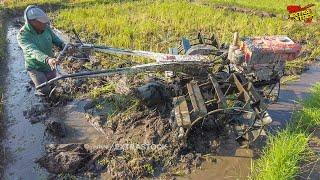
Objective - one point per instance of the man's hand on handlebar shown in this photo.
(71, 50)
(53, 62)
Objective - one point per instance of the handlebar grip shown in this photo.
(63, 52)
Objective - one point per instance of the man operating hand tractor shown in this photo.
(36, 39)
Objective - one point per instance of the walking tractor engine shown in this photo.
(262, 60)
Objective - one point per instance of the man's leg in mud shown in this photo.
(38, 78)
(51, 74)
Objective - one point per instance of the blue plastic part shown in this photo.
(173, 51)
(186, 44)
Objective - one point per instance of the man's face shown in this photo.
(37, 25)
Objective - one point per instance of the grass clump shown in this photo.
(106, 90)
(290, 78)
(121, 105)
(281, 159)
(288, 148)
(309, 116)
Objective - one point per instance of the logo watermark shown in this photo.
(299, 13)
(133, 146)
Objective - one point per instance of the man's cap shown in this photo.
(35, 13)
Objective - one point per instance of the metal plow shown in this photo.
(225, 99)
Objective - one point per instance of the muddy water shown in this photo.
(281, 111)
(230, 163)
(24, 142)
(79, 130)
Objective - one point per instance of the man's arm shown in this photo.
(30, 48)
(56, 40)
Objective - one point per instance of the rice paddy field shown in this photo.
(159, 24)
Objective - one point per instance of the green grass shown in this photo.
(281, 159)
(159, 25)
(121, 105)
(289, 147)
(108, 89)
(290, 78)
(309, 116)
(20, 5)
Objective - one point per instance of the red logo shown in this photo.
(301, 13)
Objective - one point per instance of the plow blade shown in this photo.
(181, 112)
(196, 98)
(245, 111)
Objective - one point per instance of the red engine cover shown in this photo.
(279, 47)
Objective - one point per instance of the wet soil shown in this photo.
(225, 167)
(230, 162)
